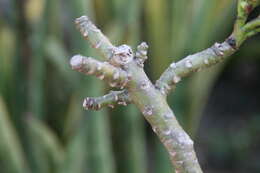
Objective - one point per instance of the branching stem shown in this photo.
(124, 69)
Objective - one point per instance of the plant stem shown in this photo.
(151, 99)
(157, 112)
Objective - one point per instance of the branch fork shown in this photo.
(122, 68)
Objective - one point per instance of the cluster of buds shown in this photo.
(141, 53)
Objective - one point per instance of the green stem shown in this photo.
(151, 99)
(103, 70)
(209, 57)
(157, 112)
(110, 100)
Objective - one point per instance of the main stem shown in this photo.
(160, 116)
(125, 70)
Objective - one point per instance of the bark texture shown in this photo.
(124, 69)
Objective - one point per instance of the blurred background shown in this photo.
(43, 128)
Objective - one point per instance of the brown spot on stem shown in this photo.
(232, 42)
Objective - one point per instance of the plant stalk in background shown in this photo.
(123, 69)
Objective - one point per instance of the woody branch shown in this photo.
(124, 69)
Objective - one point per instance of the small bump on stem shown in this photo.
(176, 79)
(188, 64)
(148, 110)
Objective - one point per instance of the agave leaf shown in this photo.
(11, 152)
(47, 141)
(36, 11)
(74, 117)
(7, 45)
(76, 153)
(58, 56)
(156, 18)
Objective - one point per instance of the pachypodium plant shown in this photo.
(122, 68)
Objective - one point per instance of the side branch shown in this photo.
(96, 38)
(110, 100)
(125, 69)
(117, 56)
(217, 52)
(193, 63)
(116, 77)
(252, 27)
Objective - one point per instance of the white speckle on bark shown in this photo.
(162, 90)
(168, 115)
(91, 102)
(180, 162)
(122, 103)
(99, 67)
(176, 79)
(144, 53)
(173, 65)
(167, 132)
(154, 129)
(217, 45)
(111, 106)
(143, 46)
(188, 154)
(81, 19)
(116, 97)
(85, 33)
(116, 75)
(85, 103)
(76, 61)
(206, 61)
(144, 85)
(141, 52)
(184, 139)
(148, 110)
(188, 64)
(219, 49)
(95, 29)
(98, 45)
(173, 153)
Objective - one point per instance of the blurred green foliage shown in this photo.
(43, 128)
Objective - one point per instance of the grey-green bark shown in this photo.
(149, 98)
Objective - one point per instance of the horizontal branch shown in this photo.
(252, 25)
(110, 100)
(253, 32)
(116, 77)
(216, 53)
(96, 38)
(192, 63)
